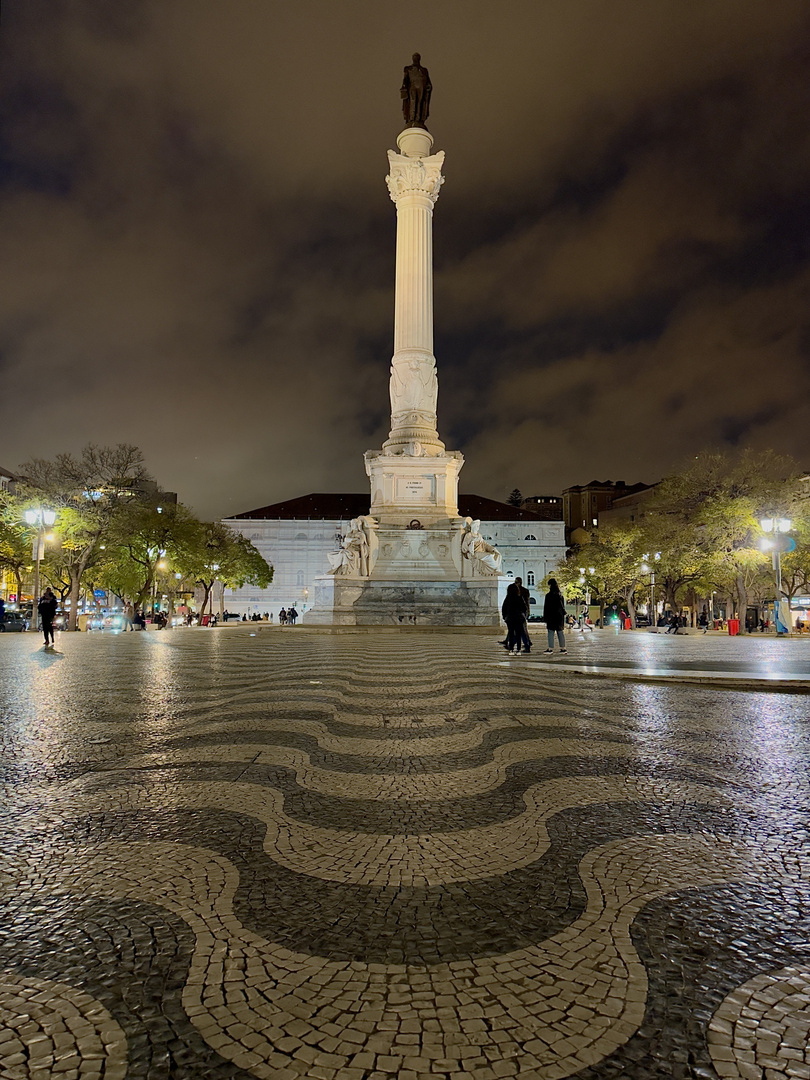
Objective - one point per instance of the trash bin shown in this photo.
(205, 620)
(733, 627)
(628, 624)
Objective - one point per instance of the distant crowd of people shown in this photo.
(286, 617)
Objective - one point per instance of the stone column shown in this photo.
(414, 180)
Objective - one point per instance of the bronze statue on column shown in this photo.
(415, 93)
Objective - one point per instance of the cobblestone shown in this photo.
(369, 856)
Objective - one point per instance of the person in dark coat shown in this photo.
(527, 596)
(514, 611)
(554, 615)
(47, 613)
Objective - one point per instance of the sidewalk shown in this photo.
(750, 661)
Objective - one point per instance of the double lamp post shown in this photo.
(780, 542)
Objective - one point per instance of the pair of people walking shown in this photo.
(515, 612)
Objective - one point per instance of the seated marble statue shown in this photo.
(352, 559)
(484, 558)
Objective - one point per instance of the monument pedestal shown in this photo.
(399, 602)
(414, 487)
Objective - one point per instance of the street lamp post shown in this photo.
(160, 565)
(214, 568)
(777, 526)
(40, 518)
(647, 569)
(585, 585)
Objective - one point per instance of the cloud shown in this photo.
(730, 367)
(199, 244)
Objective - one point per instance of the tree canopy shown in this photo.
(114, 531)
(700, 531)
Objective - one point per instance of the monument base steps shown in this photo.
(401, 603)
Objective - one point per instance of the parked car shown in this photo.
(14, 623)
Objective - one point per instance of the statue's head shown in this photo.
(416, 58)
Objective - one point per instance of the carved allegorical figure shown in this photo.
(355, 556)
(483, 558)
(415, 93)
(414, 386)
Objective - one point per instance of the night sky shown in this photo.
(198, 244)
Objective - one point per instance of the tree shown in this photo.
(86, 492)
(211, 552)
(720, 499)
(676, 553)
(15, 541)
(143, 541)
(515, 498)
(616, 554)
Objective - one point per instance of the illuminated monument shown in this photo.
(412, 559)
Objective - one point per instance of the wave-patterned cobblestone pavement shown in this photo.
(296, 855)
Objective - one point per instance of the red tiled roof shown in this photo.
(338, 506)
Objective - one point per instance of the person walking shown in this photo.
(47, 613)
(527, 596)
(554, 615)
(292, 615)
(129, 615)
(514, 611)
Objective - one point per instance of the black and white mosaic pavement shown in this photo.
(287, 854)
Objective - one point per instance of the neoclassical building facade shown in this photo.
(296, 536)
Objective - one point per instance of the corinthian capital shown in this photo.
(414, 176)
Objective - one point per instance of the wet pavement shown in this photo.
(746, 660)
(281, 853)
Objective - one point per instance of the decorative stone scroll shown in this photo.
(414, 176)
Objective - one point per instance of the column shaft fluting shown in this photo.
(413, 310)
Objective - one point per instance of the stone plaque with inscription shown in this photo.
(411, 489)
